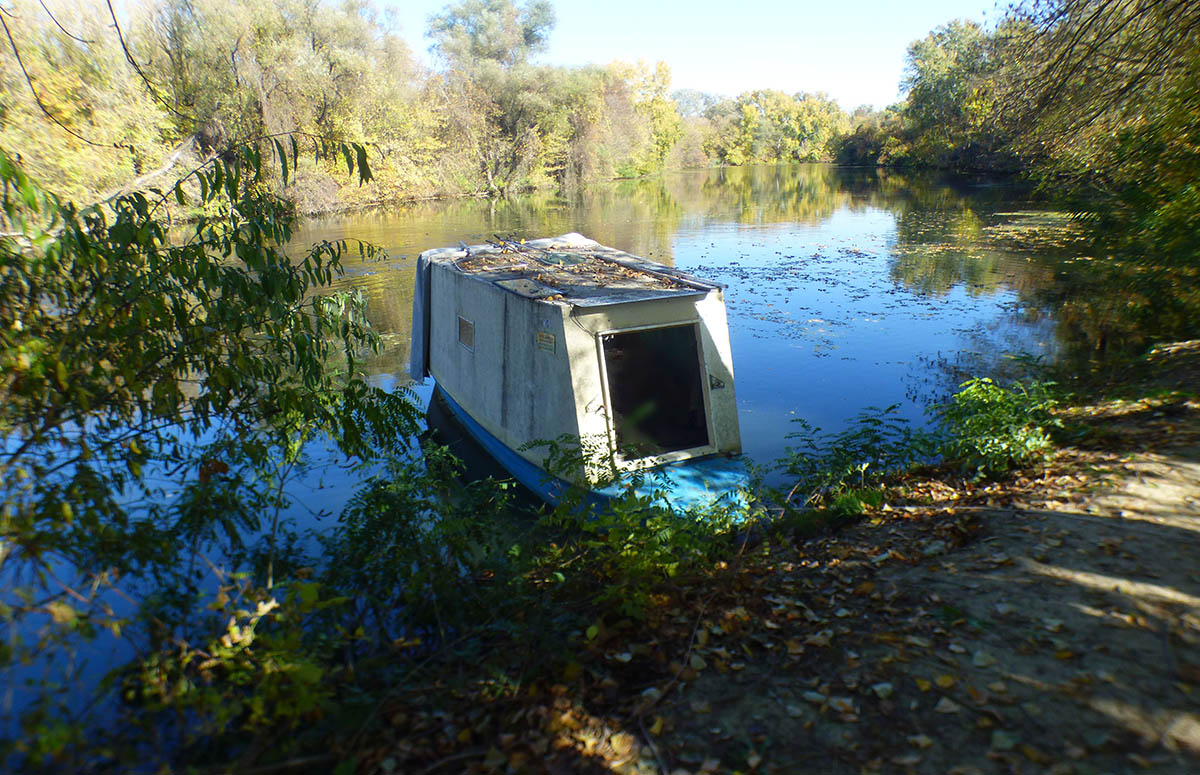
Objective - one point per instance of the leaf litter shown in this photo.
(1055, 630)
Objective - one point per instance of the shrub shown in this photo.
(989, 429)
(835, 470)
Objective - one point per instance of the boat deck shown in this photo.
(571, 269)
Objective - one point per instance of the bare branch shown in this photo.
(59, 25)
(38, 98)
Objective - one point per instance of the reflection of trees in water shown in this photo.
(968, 236)
(1107, 307)
(389, 297)
(1096, 307)
(937, 269)
(804, 193)
(949, 234)
(943, 239)
(639, 216)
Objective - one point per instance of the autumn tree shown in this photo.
(1106, 94)
(770, 127)
(952, 116)
(80, 117)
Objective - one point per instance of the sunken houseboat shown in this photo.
(564, 338)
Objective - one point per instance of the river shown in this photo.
(847, 289)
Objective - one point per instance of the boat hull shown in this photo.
(566, 339)
(698, 483)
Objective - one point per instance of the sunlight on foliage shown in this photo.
(991, 429)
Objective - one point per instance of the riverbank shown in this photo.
(1049, 622)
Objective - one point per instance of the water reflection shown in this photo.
(846, 288)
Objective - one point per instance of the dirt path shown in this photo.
(1050, 626)
(1047, 624)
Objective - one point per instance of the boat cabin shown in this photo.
(559, 337)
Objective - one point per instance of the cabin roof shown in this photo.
(570, 269)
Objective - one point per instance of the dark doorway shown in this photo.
(654, 383)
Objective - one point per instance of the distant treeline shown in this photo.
(1098, 98)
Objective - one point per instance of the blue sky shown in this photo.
(851, 49)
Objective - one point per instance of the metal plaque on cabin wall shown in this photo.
(545, 341)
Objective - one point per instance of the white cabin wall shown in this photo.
(538, 401)
(718, 359)
(517, 391)
(714, 342)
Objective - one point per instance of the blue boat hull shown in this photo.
(685, 485)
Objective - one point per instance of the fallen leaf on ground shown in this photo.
(983, 659)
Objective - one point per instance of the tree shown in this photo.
(473, 32)
(648, 89)
(1106, 95)
(83, 122)
(766, 126)
(952, 115)
(864, 144)
(486, 44)
(1086, 68)
(236, 69)
(692, 103)
(157, 385)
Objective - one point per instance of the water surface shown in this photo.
(846, 289)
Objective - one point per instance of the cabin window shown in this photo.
(655, 390)
(466, 333)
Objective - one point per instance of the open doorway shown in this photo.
(656, 391)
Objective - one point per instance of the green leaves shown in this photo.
(259, 671)
(156, 384)
(990, 429)
(840, 469)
